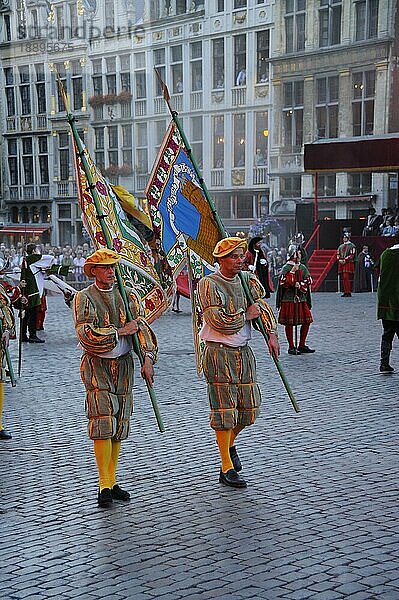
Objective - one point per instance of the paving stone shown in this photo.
(318, 518)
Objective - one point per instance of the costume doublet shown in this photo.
(107, 361)
(346, 252)
(8, 323)
(294, 302)
(228, 362)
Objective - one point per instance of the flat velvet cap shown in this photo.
(104, 256)
(227, 245)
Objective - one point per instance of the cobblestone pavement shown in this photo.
(318, 519)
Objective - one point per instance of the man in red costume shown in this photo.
(346, 254)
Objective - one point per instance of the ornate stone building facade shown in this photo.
(252, 80)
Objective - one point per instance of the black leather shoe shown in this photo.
(35, 340)
(305, 350)
(120, 494)
(383, 369)
(4, 435)
(232, 479)
(293, 351)
(235, 459)
(104, 498)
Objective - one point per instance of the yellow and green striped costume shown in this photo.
(108, 381)
(233, 393)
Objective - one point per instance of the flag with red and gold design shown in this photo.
(136, 264)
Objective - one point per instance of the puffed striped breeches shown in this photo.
(109, 399)
(234, 396)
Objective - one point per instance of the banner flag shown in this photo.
(137, 268)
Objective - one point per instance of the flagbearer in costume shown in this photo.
(346, 254)
(8, 327)
(228, 362)
(294, 301)
(388, 302)
(107, 364)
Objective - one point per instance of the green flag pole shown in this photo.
(101, 217)
(223, 233)
(8, 359)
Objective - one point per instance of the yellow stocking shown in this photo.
(223, 440)
(1, 404)
(103, 452)
(234, 433)
(116, 446)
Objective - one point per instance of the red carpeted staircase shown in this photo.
(319, 264)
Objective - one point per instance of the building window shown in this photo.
(218, 63)
(35, 30)
(290, 187)
(293, 114)
(97, 77)
(77, 85)
(262, 56)
(127, 136)
(196, 139)
(99, 138)
(218, 142)
(176, 55)
(7, 27)
(181, 7)
(13, 161)
(40, 89)
(24, 90)
(326, 185)
(160, 129)
(10, 92)
(21, 19)
(159, 64)
(113, 145)
(261, 138)
(109, 12)
(363, 102)
(223, 205)
(196, 66)
(125, 73)
(330, 22)
(59, 14)
(141, 148)
(240, 59)
(239, 140)
(240, 3)
(27, 161)
(294, 25)
(43, 159)
(111, 75)
(327, 107)
(73, 20)
(220, 6)
(366, 19)
(244, 207)
(359, 183)
(63, 152)
(63, 81)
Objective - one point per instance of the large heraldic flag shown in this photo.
(137, 269)
(182, 220)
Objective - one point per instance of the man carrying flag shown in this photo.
(105, 335)
(228, 362)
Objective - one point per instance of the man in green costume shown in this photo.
(388, 302)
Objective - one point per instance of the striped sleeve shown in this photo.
(93, 339)
(215, 312)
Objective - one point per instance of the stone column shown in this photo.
(381, 101)
(345, 104)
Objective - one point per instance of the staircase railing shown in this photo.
(314, 240)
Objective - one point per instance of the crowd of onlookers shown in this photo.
(385, 224)
(72, 257)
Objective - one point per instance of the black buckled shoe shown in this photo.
(120, 494)
(35, 340)
(386, 369)
(4, 435)
(305, 350)
(232, 479)
(235, 459)
(293, 350)
(104, 498)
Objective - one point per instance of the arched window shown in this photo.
(14, 214)
(45, 214)
(35, 214)
(24, 214)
